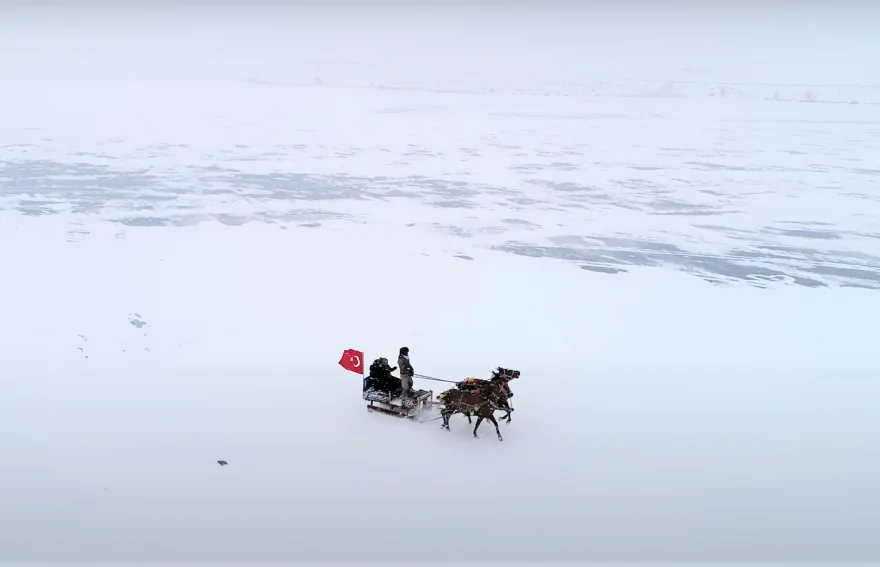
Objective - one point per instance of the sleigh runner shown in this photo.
(412, 407)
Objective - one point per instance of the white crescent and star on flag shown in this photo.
(352, 360)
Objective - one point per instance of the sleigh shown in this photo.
(391, 403)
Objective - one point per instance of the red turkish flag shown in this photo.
(353, 361)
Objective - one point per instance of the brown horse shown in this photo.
(469, 403)
(497, 387)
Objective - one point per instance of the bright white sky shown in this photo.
(658, 417)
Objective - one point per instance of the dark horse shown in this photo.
(481, 403)
(498, 386)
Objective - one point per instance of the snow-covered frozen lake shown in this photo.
(670, 226)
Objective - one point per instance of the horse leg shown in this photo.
(495, 423)
(505, 407)
(479, 420)
(509, 409)
(445, 414)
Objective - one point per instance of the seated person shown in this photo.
(380, 377)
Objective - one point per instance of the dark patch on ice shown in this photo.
(871, 276)
(37, 203)
(90, 207)
(621, 252)
(626, 242)
(642, 195)
(493, 230)
(712, 166)
(568, 187)
(300, 215)
(463, 256)
(817, 234)
(91, 187)
(79, 184)
(451, 230)
(521, 222)
(681, 208)
(525, 201)
(35, 211)
(231, 220)
(180, 220)
(865, 171)
(602, 269)
(137, 321)
(162, 197)
(145, 221)
(562, 166)
(295, 186)
(807, 223)
(453, 204)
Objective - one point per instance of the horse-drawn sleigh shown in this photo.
(472, 397)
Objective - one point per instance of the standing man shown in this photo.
(406, 372)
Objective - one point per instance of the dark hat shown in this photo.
(404, 350)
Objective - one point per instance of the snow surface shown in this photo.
(198, 215)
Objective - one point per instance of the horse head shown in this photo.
(505, 373)
(502, 382)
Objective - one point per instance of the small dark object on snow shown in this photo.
(222, 463)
